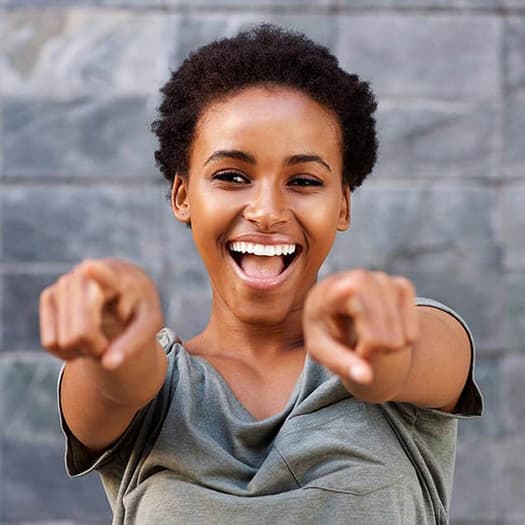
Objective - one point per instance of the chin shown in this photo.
(263, 313)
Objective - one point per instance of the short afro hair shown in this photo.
(265, 55)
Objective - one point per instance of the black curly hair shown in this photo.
(265, 55)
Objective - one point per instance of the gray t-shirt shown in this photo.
(195, 455)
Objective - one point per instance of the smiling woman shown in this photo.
(301, 401)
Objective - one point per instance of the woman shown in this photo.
(300, 402)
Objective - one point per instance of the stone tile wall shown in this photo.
(446, 206)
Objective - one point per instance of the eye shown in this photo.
(304, 181)
(231, 176)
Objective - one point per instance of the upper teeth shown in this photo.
(262, 249)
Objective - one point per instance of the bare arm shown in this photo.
(365, 327)
(114, 364)
(440, 362)
(430, 373)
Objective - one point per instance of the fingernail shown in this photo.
(359, 373)
(114, 360)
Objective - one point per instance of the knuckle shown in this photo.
(45, 296)
(382, 277)
(63, 342)
(405, 285)
(49, 344)
(398, 343)
(360, 275)
(374, 342)
(63, 281)
(87, 262)
(83, 267)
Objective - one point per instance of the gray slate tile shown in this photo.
(513, 219)
(71, 223)
(490, 376)
(515, 52)
(405, 54)
(35, 486)
(28, 399)
(431, 235)
(513, 392)
(478, 496)
(193, 30)
(515, 312)
(513, 143)
(75, 52)
(100, 137)
(424, 4)
(437, 139)
(21, 328)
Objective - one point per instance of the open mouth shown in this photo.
(263, 261)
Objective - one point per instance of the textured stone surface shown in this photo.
(35, 486)
(403, 55)
(188, 311)
(100, 137)
(513, 125)
(192, 30)
(434, 238)
(513, 390)
(491, 375)
(438, 140)
(186, 307)
(228, 4)
(515, 312)
(74, 52)
(514, 3)
(69, 223)
(20, 309)
(28, 404)
(512, 200)
(515, 52)
(78, 86)
(477, 496)
(422, 4)
(279, 4)
(513, 474)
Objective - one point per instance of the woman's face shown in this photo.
(265, 198)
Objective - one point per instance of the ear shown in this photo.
(180, 204)
(344, 212)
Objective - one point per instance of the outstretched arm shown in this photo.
(365, 327)
(102, 318)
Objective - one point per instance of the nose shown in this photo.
(267, 207)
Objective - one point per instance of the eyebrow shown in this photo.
(250, 159)
(231, 154)
(308, 157)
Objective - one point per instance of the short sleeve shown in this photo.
(80, 460)
(470, 403)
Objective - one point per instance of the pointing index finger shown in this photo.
(342, 298)
(108, 279)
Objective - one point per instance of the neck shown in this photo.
(228, 336)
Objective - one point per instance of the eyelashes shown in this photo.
(231, 176)
(305, 182)
(237, 177)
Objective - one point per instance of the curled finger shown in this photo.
(340, 360)
(48, 321)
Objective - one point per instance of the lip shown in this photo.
(262, 283)
(263, 238)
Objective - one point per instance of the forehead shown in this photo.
(269, 120)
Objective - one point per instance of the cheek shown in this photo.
(320, 216)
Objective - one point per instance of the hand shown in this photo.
(106, 309)
(352, 318)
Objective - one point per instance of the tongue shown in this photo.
(262, 266)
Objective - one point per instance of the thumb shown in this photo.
(139, 334)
